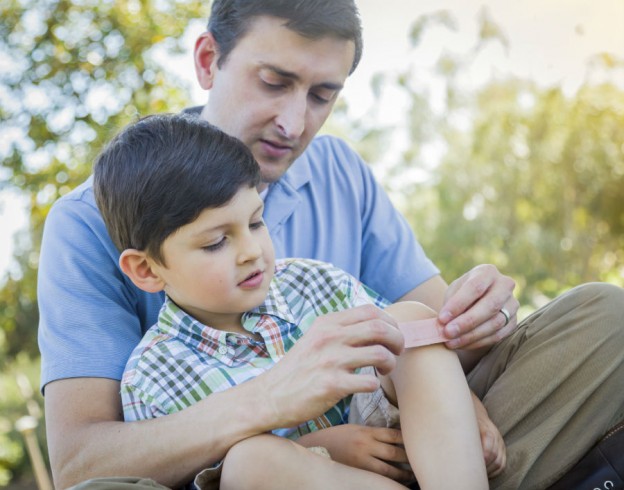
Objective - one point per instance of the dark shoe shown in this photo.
(602, 468)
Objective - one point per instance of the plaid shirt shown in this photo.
(180, 361)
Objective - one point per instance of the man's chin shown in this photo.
(272, 172)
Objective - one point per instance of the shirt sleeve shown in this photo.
(91, 315)
(393, 262)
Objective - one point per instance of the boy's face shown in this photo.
(221, 264)
(275, 90)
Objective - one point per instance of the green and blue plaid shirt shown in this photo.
(180, 361)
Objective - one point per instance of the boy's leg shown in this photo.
(118, 483)
(556, 385)
(268, 462)
(438, 421)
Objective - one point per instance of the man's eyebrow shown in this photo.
(293, 76)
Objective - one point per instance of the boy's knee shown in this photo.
(246, 464)
(242, 463)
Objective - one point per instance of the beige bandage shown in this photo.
(422, 332)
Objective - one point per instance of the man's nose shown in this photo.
(291, 117)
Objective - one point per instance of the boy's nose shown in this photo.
(250, 250)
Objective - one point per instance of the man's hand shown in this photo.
(494, 451)
(320, 368)
(472, 309)
(375, 449)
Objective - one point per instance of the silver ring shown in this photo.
(506, 315)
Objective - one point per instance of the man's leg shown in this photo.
(556, 385)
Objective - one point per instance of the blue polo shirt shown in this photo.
(328, 207)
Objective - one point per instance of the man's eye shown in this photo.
(273, 86)
(256, 224)
(320, 99)
(324, 96)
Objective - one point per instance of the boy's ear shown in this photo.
(206, 55)
(139, 268)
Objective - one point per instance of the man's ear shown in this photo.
(141, 271)
(206, 55)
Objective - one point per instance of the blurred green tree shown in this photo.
(529, 178)
(535, 186)
(72, 73)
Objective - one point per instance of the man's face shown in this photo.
(275, 90)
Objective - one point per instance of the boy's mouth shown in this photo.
(253, 280)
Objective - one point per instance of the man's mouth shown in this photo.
(275, 149)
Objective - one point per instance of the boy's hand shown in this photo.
(369, 448)
(319, 370)
(494, 450)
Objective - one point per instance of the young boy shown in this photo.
(179, 199)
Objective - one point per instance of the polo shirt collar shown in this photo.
(283, 197)
(299, 173)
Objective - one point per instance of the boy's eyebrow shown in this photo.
(259, 208)
(293, 76)
(204, 231)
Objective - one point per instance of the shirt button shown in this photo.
(223, 350)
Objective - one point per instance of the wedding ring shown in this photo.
(506, 315)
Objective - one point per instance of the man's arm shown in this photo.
(87, 437)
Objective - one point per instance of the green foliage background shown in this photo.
(73, 73)
(530, 179)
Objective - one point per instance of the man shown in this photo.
(273, 70)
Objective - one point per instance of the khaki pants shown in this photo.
(556, 385)
(553, 388)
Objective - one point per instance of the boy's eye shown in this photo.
(214, 246)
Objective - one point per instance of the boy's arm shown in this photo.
(437, 415)
(492, 442)
(373, 449)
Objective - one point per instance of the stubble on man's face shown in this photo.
(276, 89)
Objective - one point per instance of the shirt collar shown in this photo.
(274, 305)
(175, 322)
(299, 173)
